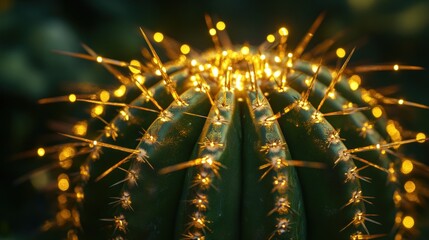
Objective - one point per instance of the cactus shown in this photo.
(238, 142)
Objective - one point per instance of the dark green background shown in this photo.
(392, 31)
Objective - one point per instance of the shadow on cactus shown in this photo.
(237, 142)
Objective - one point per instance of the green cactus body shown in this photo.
(234, 143)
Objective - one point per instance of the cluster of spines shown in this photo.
(279, 83)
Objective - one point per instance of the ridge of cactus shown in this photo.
(236, 142)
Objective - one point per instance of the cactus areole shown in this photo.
(237, 142)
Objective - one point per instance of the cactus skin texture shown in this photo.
(238, 142)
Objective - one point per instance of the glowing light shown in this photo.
(158, 37)
(134, 66)
(354, 82)
(72, 98)
(220, 26)
(271, 38)
(341, 53)
(99, 59)
(41, 152)
(401, 101)
(407, 166)
(98, 110)
(245, 50)
(408, 222)
(120, 91)
(396, 67)
(377, 112)
(283, 31)
(410, 186)
(421, 137)
(140, 78)
(63, 182)
(212, 31)
(66, 153)
(185, 49)
(104, 96)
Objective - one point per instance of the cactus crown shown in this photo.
(236, 142)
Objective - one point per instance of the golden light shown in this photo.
(134, 66)
(65, 214)
(354, 82)
(410, 186)
(98, 110)
(421, 137)
(396, 67)
(283, 31)
(120, 91)
(185, 49)
(271, 38)
(401, 101)
(80, 128)
(341, 53)
(72, 98)
(104, 96)
(140, 78)
(245, 50)
(220, 26)
(41, 152)
(212, 31)
(66, 153)
(63, 182)
(377, 112)
(158, 37)
(407, 166)
(408, 222)
(99, 59)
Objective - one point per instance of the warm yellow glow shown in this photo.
(185, 49)
(271, 38)
(396, 67)
(158, 37)
(104, 96)
(377, 112)
(277, 59)
(314, 68)
(63, 182)
(140, 78)
(410, 186)
(72, 98)
(401, 101)
(421, 137)
(220, 26)
(120, 91)
(245, 50)
(407, 166)
(331, 95)
(41, 152)
(341, 53)
(66, 153)
(134, 66)
(212, 31)
(99, 59)
(98, 110)
(354, 82)
(283, 31)
(408, 222)
(80, 128)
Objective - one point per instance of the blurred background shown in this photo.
(384, 31)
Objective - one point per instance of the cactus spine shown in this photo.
(234, 143)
